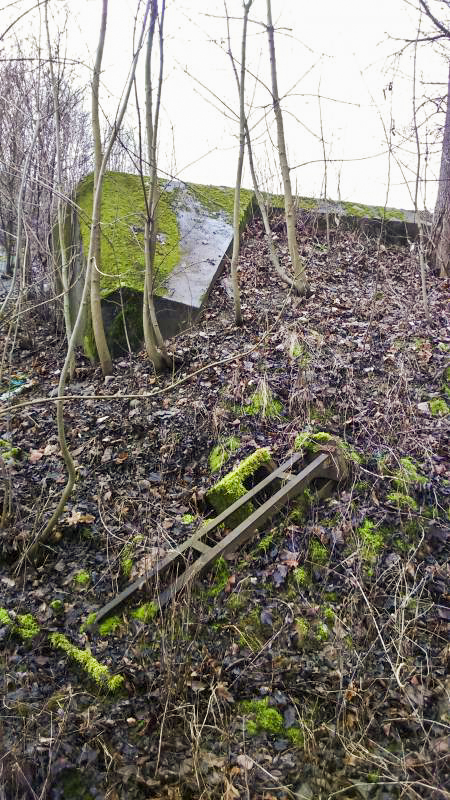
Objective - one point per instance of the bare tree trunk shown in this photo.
(20, 200)
(96, 303)
(440, 234)
(237, 190)
(60, 203)
(68, 460)
(152, 333)
(259, 197)
(300, 280)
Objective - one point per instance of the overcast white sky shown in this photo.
(344, 50)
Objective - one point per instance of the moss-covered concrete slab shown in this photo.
(195, 232)
(396, 225)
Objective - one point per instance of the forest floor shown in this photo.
(311, 664)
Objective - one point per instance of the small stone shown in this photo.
(108, 379)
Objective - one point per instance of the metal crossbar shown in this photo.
(323, 466)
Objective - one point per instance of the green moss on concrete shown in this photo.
(122, 250)
(402, 500)
(311, 442)
(372, 212)
(221, 453)
(439, 407)
(276, 201)
(129, 318)
(147, 612)
(232, 486)
(221, 199)
(96, 671)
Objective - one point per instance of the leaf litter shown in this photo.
(297, 676)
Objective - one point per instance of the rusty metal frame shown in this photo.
(324, 465)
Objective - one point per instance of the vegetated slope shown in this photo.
(316, 660)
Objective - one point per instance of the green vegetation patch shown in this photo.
(263, 718)
(221, 577)
(98, 672)
(317, 552)
(439, 407)
(82, 578)
(262, 402)
(402, 500)
(122, 227)
(24, 626)
(109, 626)
(232, 486)
(371, 540)
(407, 475)
(220, 454)
(7, 452)
(147, 612)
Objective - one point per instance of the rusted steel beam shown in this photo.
(323, 466)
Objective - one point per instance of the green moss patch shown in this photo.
(25, 625)
(371, 540)
(232, 486)
(439, 407)
(82, 578)
(122, 237)
(220, 454)
(402, 500)
(262, 402)
(96, 671)
(221, 198)
(147, 612)
(318, 553)
(407, 475)
(263, 718)
(372, 212)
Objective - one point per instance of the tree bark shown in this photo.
(96, 302)
(440, 233)
(65, 280)
(152, 333)
(298, 266)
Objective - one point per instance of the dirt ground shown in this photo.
(312, 663)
